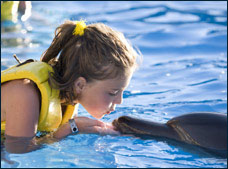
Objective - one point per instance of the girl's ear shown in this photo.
(80, 83)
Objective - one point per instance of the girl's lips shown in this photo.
(108, 112)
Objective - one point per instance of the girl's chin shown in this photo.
(97, 116)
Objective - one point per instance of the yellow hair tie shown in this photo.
(79, 28)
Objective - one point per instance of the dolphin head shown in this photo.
(124, 124)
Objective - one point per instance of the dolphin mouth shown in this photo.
(121, 125)
(125, 125)
(118, 125)
(115, 124)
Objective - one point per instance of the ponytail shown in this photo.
(62, 35)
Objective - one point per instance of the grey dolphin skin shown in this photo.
(207, 129)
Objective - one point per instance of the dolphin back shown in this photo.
(207, 129)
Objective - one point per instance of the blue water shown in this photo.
(184, 70)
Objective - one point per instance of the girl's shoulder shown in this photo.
(19, 90)
(19, 84)
(21, 105)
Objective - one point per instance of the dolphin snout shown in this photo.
(122, 123)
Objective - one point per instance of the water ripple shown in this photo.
(131, 94)
(200, 83)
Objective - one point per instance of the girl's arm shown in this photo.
(21, 106)
(86, 125)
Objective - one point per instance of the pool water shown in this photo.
(184, 69)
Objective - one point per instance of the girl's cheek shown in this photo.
(107, 100)
(100, 103)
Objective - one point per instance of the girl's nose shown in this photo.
(119, 98)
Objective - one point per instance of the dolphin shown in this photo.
(204, 129)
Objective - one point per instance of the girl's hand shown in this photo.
(87, 125)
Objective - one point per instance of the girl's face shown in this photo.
(101, 96)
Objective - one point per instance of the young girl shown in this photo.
(88, 65)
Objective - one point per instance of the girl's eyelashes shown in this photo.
(113, 93)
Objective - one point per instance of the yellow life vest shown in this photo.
(50, 114)
(9, 10)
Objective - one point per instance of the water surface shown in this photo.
(184, 70)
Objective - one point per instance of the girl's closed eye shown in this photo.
(113, 93)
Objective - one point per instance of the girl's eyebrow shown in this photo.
(115, 89)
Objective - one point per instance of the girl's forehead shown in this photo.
(119, 82)
(116, 83)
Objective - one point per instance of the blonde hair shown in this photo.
(100, 53)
